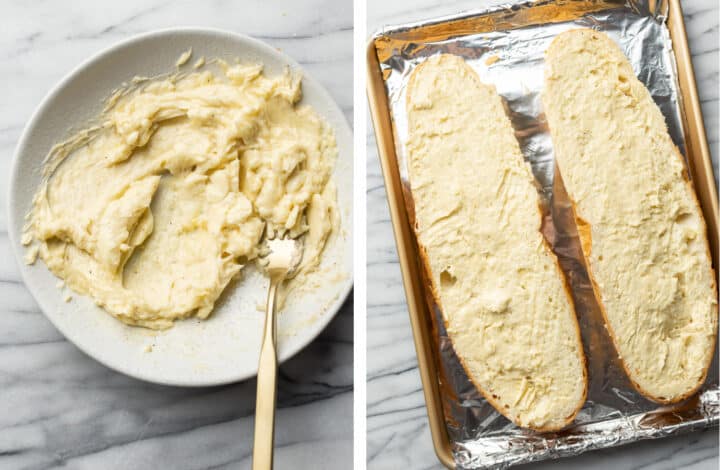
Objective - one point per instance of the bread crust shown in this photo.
(433, 299)
(584, 230)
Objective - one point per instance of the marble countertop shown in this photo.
(58, 407)
(398, 432)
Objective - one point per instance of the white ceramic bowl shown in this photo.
(225, 347)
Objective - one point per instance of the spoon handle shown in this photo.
(266, 387)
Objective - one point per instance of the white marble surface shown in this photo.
(398, 433)
(58, 407)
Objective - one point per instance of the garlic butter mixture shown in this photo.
(155, 211)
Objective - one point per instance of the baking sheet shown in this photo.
(505, 46)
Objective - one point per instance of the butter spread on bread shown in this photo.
(503, 296)
(642, 232)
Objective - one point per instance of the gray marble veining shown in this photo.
(398, 432)
(58, 407)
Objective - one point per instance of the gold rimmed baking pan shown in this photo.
(663, 421)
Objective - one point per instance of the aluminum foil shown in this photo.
(505, 46)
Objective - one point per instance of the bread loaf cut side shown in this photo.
(642, 232)
(503, 296)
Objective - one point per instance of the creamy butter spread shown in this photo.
(155, 210)
(501, 291)
(184, 57)
(644, 234)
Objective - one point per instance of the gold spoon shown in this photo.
(280, 263)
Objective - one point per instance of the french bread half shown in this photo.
(503, 296)
(641, 229)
